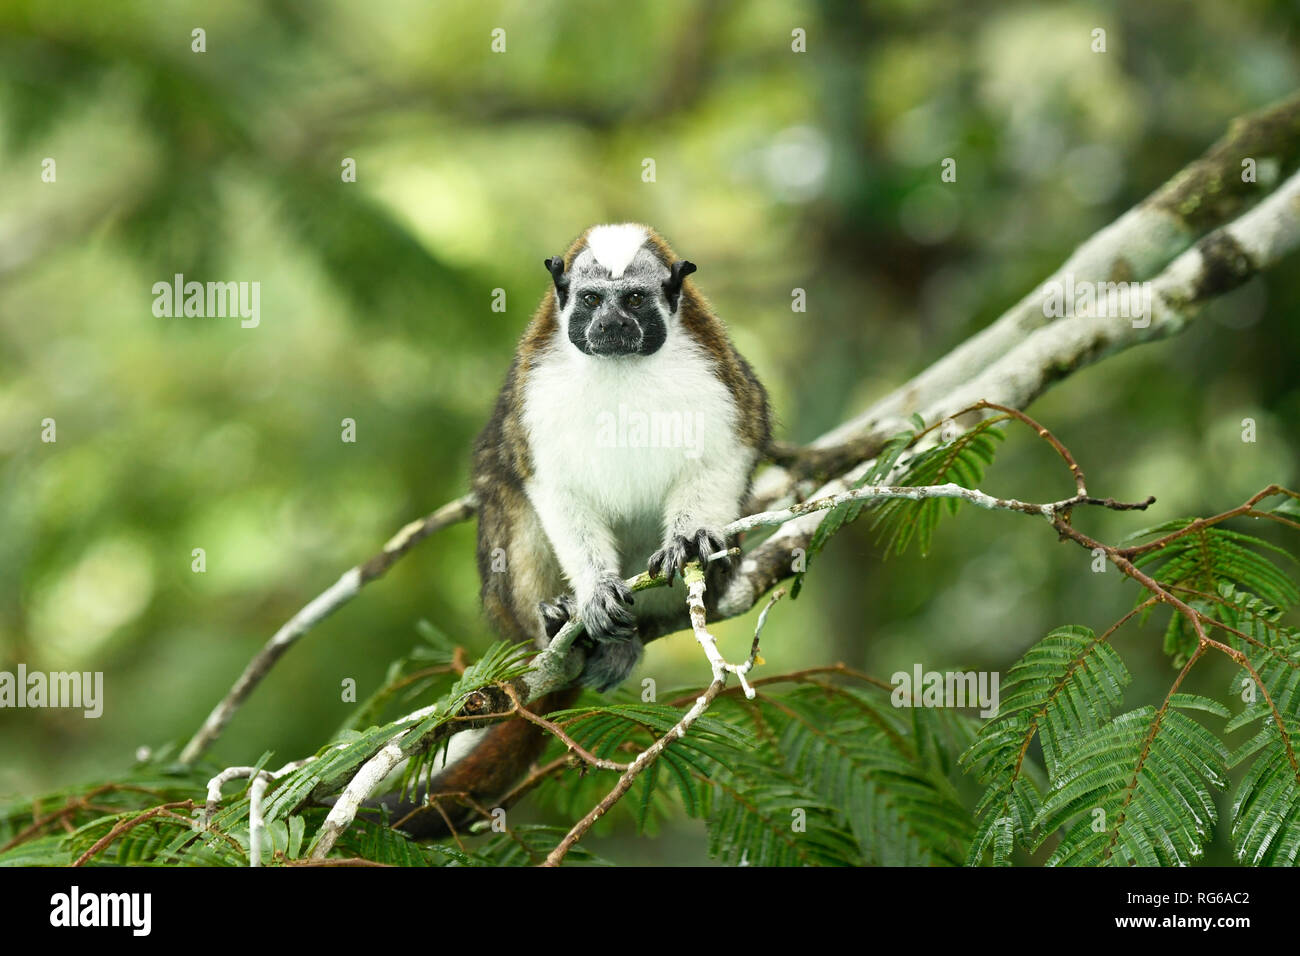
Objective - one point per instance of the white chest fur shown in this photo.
(621, 433)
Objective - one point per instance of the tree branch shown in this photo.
(347, 587)
(1205, 194)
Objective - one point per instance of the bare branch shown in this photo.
(347, 587)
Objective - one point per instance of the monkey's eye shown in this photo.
(590, 300)
(634, 300)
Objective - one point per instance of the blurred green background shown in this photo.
(774, 170)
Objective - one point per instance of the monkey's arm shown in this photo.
(588, 555)
(701, 502)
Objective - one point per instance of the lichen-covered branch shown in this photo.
(1219, 263)
(1205, 194)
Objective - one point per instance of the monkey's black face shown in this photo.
(623, 309)
(617, 317)
(619, 297)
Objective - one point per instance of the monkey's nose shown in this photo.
(617, 323)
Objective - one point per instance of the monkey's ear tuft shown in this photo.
(555, 266)
(673, 284)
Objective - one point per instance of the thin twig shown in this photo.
(558, 731)
(805, 676)
(123, 826)
(678, 731)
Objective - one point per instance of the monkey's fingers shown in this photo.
(709, 543)
(608, 615)
(556, 614)
(670, 559)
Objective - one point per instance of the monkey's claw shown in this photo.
(681, 550)
(607, 615)
(556, 614)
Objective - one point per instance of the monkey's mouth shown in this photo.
(614, 343)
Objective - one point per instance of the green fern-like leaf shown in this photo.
(1206, 560)
(336, 762)
(760, 815)
(93, 809)
(1138, 790)
(838, 778)
(898, 521)
(864, 759)
(848, 512)
(1062, 690)
(1266, 811)
(961, 461)
(528, 844)
(618, 731)
(409, 679)
(43, 851)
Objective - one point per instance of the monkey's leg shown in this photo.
(517, 569)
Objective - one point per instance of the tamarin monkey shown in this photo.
(624, 439)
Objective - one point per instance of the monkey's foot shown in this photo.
(557, 613)
(607, 614)
(681, 549)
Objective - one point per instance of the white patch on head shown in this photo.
(614, 247)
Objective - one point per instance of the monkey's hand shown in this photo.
(607, 613)
(681, 549)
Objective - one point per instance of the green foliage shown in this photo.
(502, 662)
(880, 768)
(1061, 690)
(898, 520)
(619, 732)
(818, 776)
(1138, 789)
(410, 678)
(823, 774)
(961, 461)
(760, 815)
(1205, 559)
(1266, 810)
(339, 760)
(848, 512)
